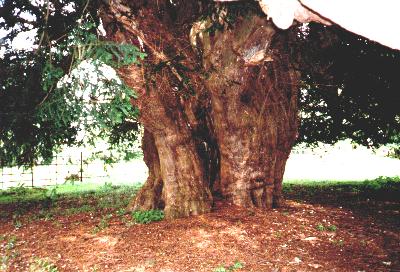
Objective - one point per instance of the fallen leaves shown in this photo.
(280, 240)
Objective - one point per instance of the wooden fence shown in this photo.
(62, 169)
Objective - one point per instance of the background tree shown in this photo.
(217, 94)
(352, 88)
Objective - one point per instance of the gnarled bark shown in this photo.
(218, 121)
(180, 173)
(254, 110)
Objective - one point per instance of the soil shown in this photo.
(323, 233)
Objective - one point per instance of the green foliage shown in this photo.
(320, 227)
(332, 228)
(19, 190)
(145, 217)
(382, 187)
(96, 102)
(52, 92)
(25, 137)
(107, 186)
(42, 265)
(349, 87)
(236, 266)
(24, 197)
(394, 150)
(121, 212)
(382, 184)
(8, 251)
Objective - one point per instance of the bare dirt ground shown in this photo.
(319, 233)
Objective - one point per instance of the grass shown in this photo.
(65, 200)
(378, 182)
(21, 194)
(71, 199)
(38, 194)
(382, 187)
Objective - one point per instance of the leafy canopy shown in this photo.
(350, 88)
(61, 90)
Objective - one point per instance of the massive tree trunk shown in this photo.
(220, 119)
(254, 110)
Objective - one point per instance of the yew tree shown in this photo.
(218, 95)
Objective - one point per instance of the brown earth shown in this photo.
(367, 238)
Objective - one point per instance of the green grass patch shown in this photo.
(26, 195)
(21, 194)
(46, 203)
(382, 187)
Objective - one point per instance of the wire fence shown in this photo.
(61, 170)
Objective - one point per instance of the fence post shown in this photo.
(2, 174)
(81, 167)
(32, 173)
(56, 169)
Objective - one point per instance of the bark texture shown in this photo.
(220, 118)
(254, 110)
